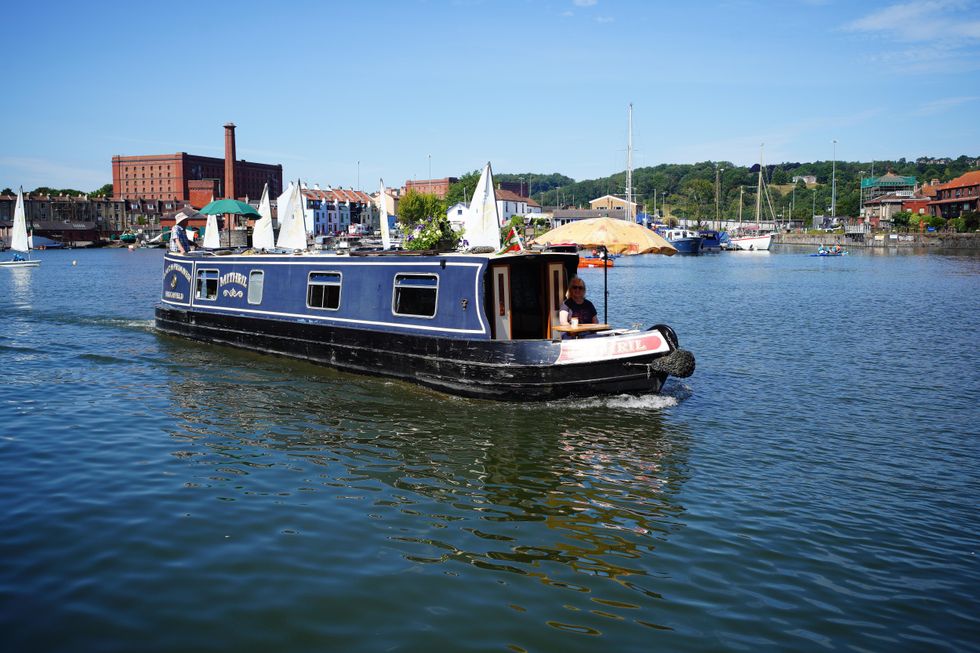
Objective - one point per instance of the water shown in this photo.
(812, 487)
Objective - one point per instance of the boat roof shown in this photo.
(312, 254)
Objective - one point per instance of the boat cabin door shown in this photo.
(501, 302)
(556, 293)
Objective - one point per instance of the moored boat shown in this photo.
(710, 241)
(684, 241)
(595, 262)
(754, 238)
(751, 242)
(479, 325)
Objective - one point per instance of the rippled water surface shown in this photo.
(813, 486)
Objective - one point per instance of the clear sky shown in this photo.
(356, 90)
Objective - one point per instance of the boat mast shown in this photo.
(741, 191)
(629, 167)
(758, 193)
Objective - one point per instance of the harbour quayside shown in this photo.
(473, 324)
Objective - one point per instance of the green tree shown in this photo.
(104, 191)
(415, 208)
(7, 191)
(902, 218)
(424, 221)
(697, 196)
(971, 221)
(462, 190)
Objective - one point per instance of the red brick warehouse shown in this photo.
(193, 178)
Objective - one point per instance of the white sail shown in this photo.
(18, 235)
(212, 236)
(292, 230)
(307, 214)
(283, 203)
(383, 203)
(263, 236)
(482, 224)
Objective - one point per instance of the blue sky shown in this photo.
(345, 91)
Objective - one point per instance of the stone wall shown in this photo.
(969, 241)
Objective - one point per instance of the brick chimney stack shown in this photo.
(230, 160)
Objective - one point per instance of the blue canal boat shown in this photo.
(478, 325)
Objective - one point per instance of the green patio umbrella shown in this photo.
(230, 206)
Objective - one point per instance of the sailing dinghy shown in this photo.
(19, 240)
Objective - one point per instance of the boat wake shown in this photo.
(672, 394)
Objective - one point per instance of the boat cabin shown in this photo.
(510, 297)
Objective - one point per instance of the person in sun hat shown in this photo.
(178, 236)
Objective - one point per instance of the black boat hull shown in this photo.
(514, 370)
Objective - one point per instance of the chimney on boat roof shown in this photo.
(230, 160)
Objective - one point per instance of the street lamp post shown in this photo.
(861, 193)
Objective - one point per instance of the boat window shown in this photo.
(323, 290)
(256, 282)
(207, 284)
(415, 294)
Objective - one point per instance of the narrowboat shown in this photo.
(476, 325)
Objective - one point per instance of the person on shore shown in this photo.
(576, 307)
(178, 236)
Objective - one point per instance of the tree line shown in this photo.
(104, 191)
(689, 190)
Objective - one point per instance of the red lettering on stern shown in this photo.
(587, 350)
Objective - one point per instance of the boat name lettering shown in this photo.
(176, 267)
(596, 349)
(234, 277)
(173, 295)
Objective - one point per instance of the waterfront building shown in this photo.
(78, 219)
(193, 178)
(880, 211)
(336, 209)
(437, 187)
(888, 184)
(616, 206)
(508, 203)
(961, 195)
(392, 196)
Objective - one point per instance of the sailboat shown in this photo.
(482, 225)
(385, 231)
(19, 240)
(292, 219)
(757, 241)
(263, 236)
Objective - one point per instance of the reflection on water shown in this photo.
(569, 496)
(811, 486)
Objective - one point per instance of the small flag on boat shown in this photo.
(513, 242)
